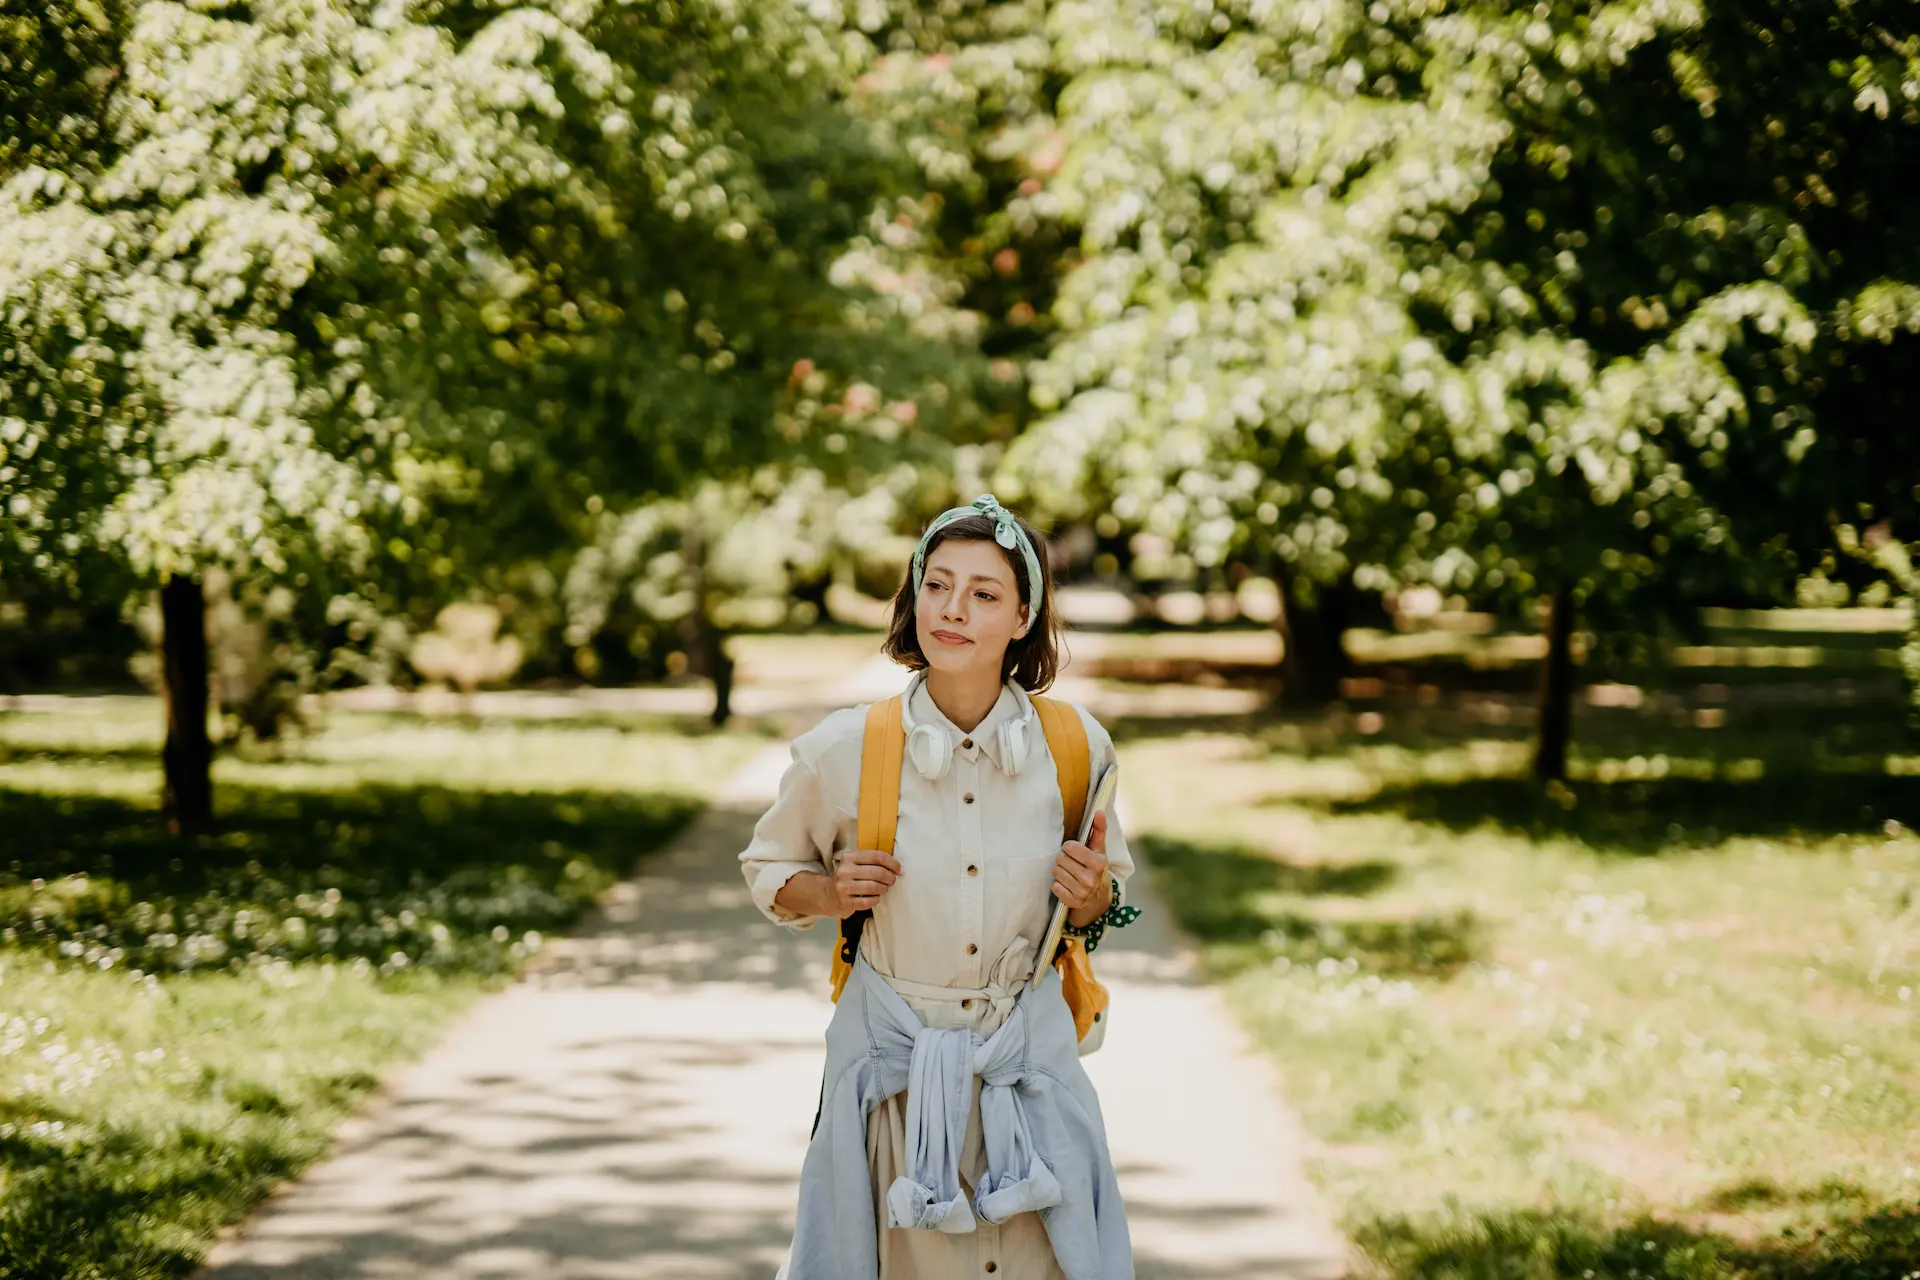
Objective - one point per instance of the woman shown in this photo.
(938, 1015)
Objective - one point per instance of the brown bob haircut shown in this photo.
(1033, 660)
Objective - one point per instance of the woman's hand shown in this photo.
(861, 877)
(1080, 877)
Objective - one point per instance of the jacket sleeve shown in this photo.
(795, 834)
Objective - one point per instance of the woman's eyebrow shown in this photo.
(973, 577)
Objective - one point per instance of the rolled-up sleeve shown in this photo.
(793, 835)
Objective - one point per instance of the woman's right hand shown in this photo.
(861, 877)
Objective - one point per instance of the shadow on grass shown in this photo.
(1883, 1244)
(125, 1202)
(449, 879)
(11, 753)
(1247, 908)
(571, 715)
(1133, 728)
(1765, 1193)
(1648, 816)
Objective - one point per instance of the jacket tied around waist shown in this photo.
(1046, 1147)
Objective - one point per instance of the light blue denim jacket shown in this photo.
(1045, 1140)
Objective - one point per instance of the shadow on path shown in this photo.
(639, 1104)
(635, 1106)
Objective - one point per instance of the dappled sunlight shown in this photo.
(1689, 966)
(1652, 816)
(241, 994)
(1248, 907)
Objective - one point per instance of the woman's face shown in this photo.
(968, 592)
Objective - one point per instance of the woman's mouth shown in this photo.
(949, 637)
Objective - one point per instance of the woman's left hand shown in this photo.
(1080, 876)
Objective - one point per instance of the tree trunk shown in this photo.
(814, 592)
(1315, 661)
(719, 670)
(706, 645)
(1556, 690)
(188, 754)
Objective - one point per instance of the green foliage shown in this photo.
(969, 91)
(1879, 1245)
(182, 1028)
(384, 302)
(1654, 1022)
(59, 60)
(310, 878)
(1505, 298)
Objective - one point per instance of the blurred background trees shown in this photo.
(1430, 399)
(646, 325)
(1569, 308)
(389, 303)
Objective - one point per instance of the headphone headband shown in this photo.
(931, 751)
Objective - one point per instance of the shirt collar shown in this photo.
(985, 736)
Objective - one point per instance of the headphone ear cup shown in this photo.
(1014, 744)
(931, 753)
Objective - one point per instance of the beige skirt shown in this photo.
(1017, 1249)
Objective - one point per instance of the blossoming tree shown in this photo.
(1559, 303)
(348, 291)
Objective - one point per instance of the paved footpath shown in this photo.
(639, 1105)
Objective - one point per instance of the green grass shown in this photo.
(183, 1025)
(1656, 1022)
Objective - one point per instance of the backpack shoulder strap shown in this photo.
(1072, 757)
(1066, 734)
(882, 749)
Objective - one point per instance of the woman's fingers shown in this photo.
(866, 864)
(1071, 889)
(1092, 861)
(865, 875)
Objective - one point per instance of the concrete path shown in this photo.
(638, 1106)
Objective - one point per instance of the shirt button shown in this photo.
(966, 1004)
(973, 871)
(971, 949)
(969, 797)
(967, 743)
(993, 1266)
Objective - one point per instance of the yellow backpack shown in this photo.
(882, 749)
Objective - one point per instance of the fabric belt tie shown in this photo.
(1005, 981)
(939, 1102)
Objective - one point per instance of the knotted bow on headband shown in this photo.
(1006, 531)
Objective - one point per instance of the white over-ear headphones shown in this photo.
(931, 749)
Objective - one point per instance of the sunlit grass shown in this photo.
(183, 1025)
(1657, 1021)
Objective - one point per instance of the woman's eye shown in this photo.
(984, 595)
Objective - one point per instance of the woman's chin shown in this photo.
(952, 659)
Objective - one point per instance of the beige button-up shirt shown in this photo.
(977, 849)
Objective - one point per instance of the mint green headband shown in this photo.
(1006, 531)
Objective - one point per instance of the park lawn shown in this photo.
(1656, 1022)
(180, 1027)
